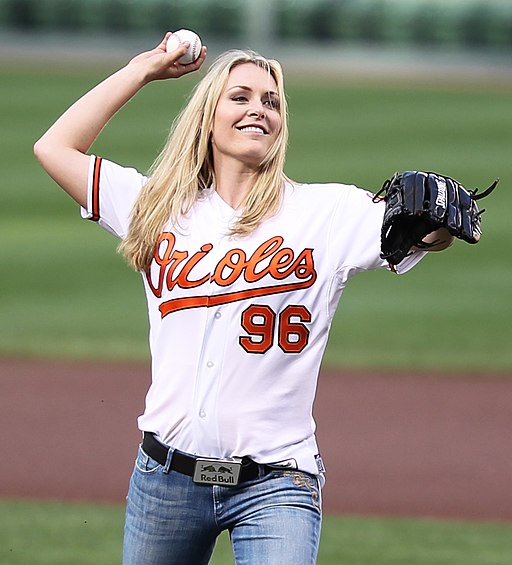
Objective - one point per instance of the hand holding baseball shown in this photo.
(187, 37)
(161, 64)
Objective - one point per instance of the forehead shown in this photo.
(250, 75)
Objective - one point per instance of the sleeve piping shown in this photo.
(95, 196)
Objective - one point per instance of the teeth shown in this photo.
(252, 129)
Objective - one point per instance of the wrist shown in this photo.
(136, 74)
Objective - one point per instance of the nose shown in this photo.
(256, 110)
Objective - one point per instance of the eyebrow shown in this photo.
(243, 87)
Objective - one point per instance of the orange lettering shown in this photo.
(182, 280)
(168, 259)
(281, 260)
(304, 266)
(235, 261)
(162, 261)
(172, 267)
(266, 249)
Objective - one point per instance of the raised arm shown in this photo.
(62, 150)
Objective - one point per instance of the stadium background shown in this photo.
(421, 426)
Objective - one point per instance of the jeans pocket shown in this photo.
(146, 464)
(308, 482)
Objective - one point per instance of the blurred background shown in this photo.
(481, 28)
(417, 367)
(467, 24)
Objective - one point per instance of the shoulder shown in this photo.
(111, 193)
(330, 192)
(109, 172)
(318, 186)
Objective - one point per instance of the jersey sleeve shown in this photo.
(361, 218)
(111, 194)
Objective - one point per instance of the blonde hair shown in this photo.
(185, 166)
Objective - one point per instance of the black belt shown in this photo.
(185, 464)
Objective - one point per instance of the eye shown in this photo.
(239, 98)
(271, 103)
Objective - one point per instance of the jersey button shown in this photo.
(209, 364)
(217, 315)
(202, 414)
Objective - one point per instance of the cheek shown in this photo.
(218, 136)
(223, 118)
(217, 132)
(277, 123)
(221, 138)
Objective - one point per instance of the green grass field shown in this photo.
(61, 534)
(65, 293)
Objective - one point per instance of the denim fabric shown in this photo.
(273, 520)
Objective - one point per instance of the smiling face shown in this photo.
(247, 117)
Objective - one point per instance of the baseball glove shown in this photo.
(418, 203)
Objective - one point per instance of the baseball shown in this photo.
(181, 36)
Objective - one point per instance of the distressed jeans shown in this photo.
(170, 520)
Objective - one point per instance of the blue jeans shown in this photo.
(170, 520)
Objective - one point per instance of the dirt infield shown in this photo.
(393, 445)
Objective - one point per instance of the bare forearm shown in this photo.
(79, 126)
(443, 238)
(62, 150)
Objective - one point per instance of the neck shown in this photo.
(233, 184)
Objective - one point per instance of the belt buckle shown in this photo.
(223, 472)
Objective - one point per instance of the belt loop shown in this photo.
(167, 466)
(263, 470)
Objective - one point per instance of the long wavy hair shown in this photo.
(185, 165)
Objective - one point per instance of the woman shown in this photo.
(243, 270)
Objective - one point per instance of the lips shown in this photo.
(260, 130)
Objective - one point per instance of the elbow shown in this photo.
(67, 167)
(46, 154)
(40, 151)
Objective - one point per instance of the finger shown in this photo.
(195, 64)
(202, 55)
(162, 45)
(177, 53)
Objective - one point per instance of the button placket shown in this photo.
(206, 406)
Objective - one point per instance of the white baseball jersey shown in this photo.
(238, 325)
